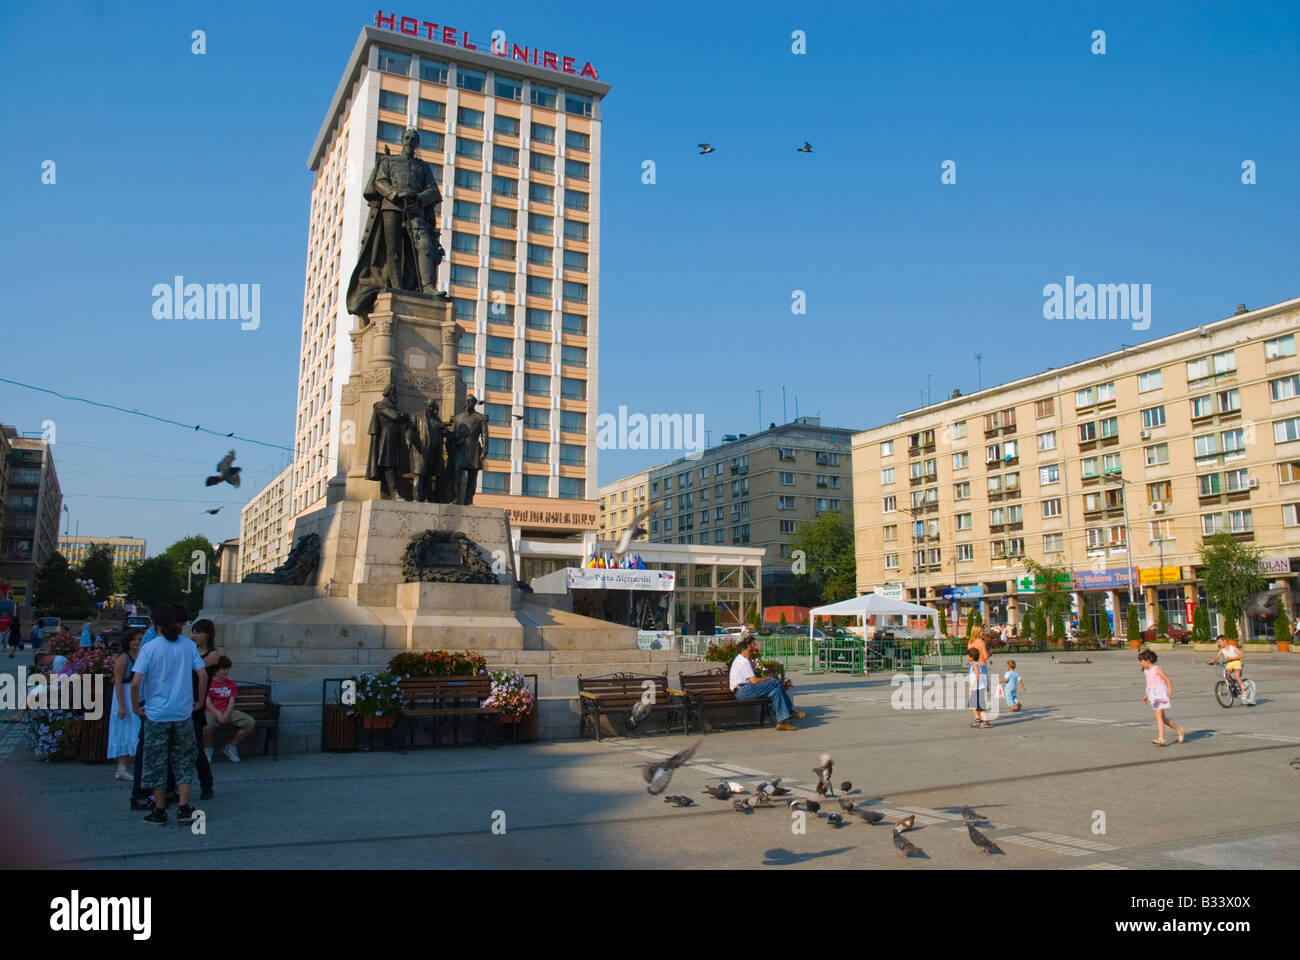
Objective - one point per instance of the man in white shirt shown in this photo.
(746, 685)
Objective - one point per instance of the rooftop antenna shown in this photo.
(707, 439)
(760, 409)
(979, 371)
(796, 406)
(927, 388)
(783, 417)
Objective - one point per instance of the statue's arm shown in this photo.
(382, 184)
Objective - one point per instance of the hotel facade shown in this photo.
(125, 549)
(516, 149)
(1116, 467)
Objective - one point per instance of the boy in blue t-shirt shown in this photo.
(1013, 684)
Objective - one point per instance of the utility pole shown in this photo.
(928, 400)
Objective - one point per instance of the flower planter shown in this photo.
(510, 717)
(1284, 646)
(92, 745)
(1135, 644)
(378, 723)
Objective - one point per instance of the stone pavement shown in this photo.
(1044, 777)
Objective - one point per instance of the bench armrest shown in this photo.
(675, 693)
(589, 696)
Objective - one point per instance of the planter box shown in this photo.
(1206, 647)
(92, 744)
(1258, 648)
(339, 732)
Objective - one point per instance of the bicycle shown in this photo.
(1227, 691)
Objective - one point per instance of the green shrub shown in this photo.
(1281, 628)
(1058, 627)
(1132, 624)
(1027, 625)
(1162, 622)
(1230, 628)
(1106, 632)
(943, 622)
(1200, 625)
(1085, 623)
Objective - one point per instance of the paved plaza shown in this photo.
(1078, 751)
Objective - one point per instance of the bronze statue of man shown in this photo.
(470, 437)
(387, 451)
(399, 249)
(425, 436)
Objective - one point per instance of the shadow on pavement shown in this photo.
(781, 857)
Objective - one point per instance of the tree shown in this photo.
(196, 570)
(1230, 572)
(1085, 621)
(57, 592)
(829, 556)
(98, 566)
(1200, 625)
(943, 622)
(155, 580)
(122, 576)
(1058, 626)
(1281, 628)
(784, 622)
(755, 620)
(1230, 629)
(1106, 633)
(1132, 628)
(1162, 622)
(1052, 585)
(1040, 624)
(1027, 625)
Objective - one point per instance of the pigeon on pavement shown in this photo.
(970, 816)
(846, 786)
(871, 816)
(812, 806)
(657, 773)
(835, 820)
(227, 472)
(720, 792)
(905, 847)
(739, 806)
(733, 786)
(981, 842)
(907, 823)
(847, 804)
(758, 800)
(680, 801)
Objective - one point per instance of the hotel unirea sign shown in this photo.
(499, 46)
(593, 578)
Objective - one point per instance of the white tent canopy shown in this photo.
(869, 605)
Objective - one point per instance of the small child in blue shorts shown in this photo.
(1013, 683)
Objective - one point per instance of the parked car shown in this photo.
(48, 625)
(1176, 634)
(137, 621)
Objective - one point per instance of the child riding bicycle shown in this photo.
(1230, 653)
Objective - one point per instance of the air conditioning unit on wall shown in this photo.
(1157, 508)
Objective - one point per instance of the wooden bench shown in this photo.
(255, 700)
(710, 691)
(616, 694)
(433, 698)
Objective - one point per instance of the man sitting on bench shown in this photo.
(746, 685)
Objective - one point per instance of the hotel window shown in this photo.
(1047, 441)
(433, 142)
(573, 356)
(431, 110)
(1286, 388)
(1109, 427)
(537, 319)
(786, 479)
(575, 292)
(464, 243)
(501, 280)
(965, 551)
(463, 210)
(575, 260)
(397, 63)
(541, 162)
(494, 482)
(537, 351)
(1052, 508)
(577, 170)
(433, 71)
(1281, 347)
(498, 414)
(1286, 430)
(464, 276)
(470, 149)
(887, 532)
(1156, 455)
(505, 156)
(389, 133)
(960, 461)
(1049, 474)
(571, 421)
(1153, 417)
(537, 418)
(1234, 442)
(570, 488)
(961, 491)
(541, 193)
(543, 133)
(576, 200)
(536, 451)
(575, 140)
(543, 256)
(537, 223)
(502, 217)
(473, 80)
(573, 323)
(539, 286)
(889, 504)
(1087, 432)
(1151, 380)
(504, 250)
(468, 180)
(575, 230)
(466, 343)
(396, 102)
(465, 117)
(891, 561)
(573, 455)
(537, 385)
(1159, 492)
(496, 380)
(1211, 523)
(573, 389)
(506, 126)
(538, 486)
(785, 503)
(1044, 408)
(1053, 543)
(501, 347)
(577, 104)
(964, 521)
(508, 88)
(543, 97)
(1240, 521)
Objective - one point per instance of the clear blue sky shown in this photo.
(1117, 168)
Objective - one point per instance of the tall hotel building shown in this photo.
(1116, 467)
(516, 148)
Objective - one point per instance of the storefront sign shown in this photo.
(499, 45)
(591, 578)
(964, 593)
(1148, 575)
(1028, 583)
(1272, 566)
(654, 640)
(1103, 579)
(1190, 608)
(890, 591)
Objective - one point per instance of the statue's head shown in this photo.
(390, 393)
(432, 408)
(470, 404)
(410, 140)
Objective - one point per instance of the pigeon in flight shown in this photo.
(870, 816)
(227, 471)
(720, 792)
(835, 820)
(638, 715)
(907, 823)
(680, 801)
(905, 847)
(812, 806)
(982, 843)
(214, 512)
(706, 148)
(633, 531)
(806, 148)
(657, 773)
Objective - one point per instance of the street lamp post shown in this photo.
(1128, 541)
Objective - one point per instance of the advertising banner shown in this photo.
(596, 579)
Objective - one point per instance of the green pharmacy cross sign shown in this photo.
(1028, 583)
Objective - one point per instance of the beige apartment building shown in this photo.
(621, 501)
(1116, 466)
(265, 528)
(125, 549)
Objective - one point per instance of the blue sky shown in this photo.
(1117, 168)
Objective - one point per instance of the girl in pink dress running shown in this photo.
(1160, 691)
